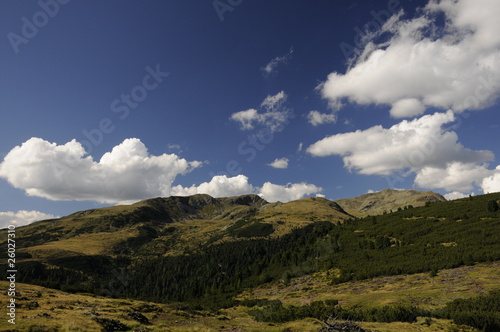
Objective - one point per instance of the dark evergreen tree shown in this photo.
(492, 206)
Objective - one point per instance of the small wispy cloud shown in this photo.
(271, 66)
(281, 163)
(273, 102)
(274, 117)
(174, 147)
(316, 118)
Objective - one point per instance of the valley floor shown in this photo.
(43, 309)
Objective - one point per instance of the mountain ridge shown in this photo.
(179, 208)
(172, 225)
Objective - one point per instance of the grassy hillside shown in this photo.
(176, 225)
(204, 252)
(387, 201)
(169, 226)
(421, 289)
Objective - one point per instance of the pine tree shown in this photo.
(492, 206)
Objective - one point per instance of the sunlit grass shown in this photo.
(418, 289)
(86, 244)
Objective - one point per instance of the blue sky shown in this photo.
(112, 102)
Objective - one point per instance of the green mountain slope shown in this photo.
(204, 251)
(175, 224)
(388, 200)
(172, 225)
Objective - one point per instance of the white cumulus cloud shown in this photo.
(491, 184)
(421, 146)
(22, 217)
(316, 118)
(407, 107)
(219, 186)
(293, 191)
(424, 65)
(456, 195)
(223, 186)
(455, 176)
(63, 172)
(280, 163)
(409, 144)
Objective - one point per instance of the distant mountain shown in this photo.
(171, 225)
(388, 200)
(177, 224)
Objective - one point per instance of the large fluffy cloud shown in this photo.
(455, 66)
(455, 176)
(273, 192)
(455, 195)
(223, 186)
(274, 116)
(126, 174)
(409, 144)
(22, 217)
(219, 186)
(491, 184)
(63, 172)
(420, 146)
